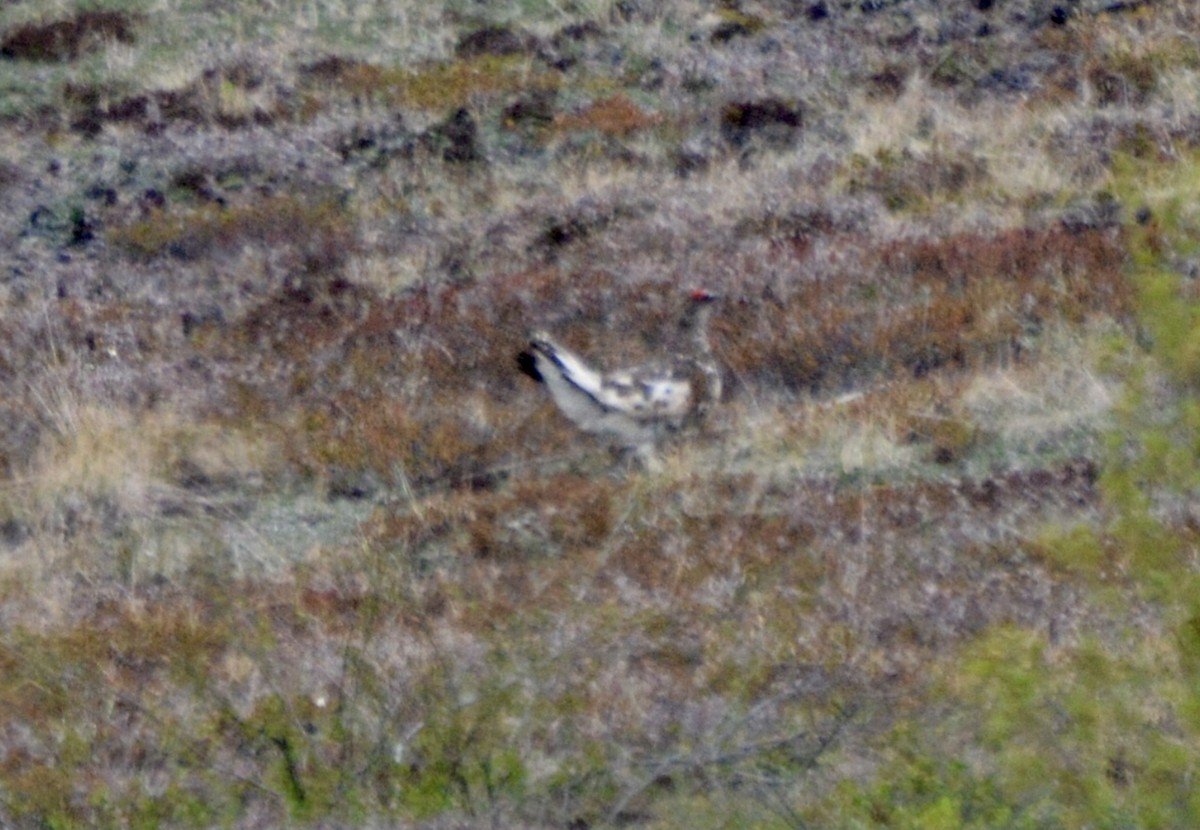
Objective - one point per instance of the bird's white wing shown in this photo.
(573, 385)
(632, 405)
(647, 394)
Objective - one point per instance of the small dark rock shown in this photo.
(191, 476)
(903, 40)
(191, 179)
(584, 221)
(566, 47)
(129, 109)
(192, 321)
(888, 82)
(457, 138)
(943, 455)
(481, 481)
(352, 485)
(535, 110)
(728, 30)
(41, 217)
(10, 174)
(564, 233)
(83, 228)
(196, 182)
(13, 532)
(577, 32)
(1007, 79)
(67, 39)
(152, 199)
(628, 10)
(688, 162)
(86, 96)
(89, 125)
(182, 105)
(329, 68)
(772, 118)
(101, 193)
(494, 40)
(654, 76)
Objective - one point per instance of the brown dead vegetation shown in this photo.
(614, 116)
(424, 383)
(282, 524)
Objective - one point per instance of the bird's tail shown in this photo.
(527, 363)
(527, 360)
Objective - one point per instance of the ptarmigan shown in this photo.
(634, 408)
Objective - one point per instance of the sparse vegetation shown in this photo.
(284, 541)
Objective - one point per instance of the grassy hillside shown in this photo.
(286, 540)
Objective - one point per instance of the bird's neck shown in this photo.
(693, 330)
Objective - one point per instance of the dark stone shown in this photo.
(889, 82)
(192, 321)
(129, 109)
(68, 39)
(728, 30)
(13, 532)
(688, 162)
(533, 110)
(329, 68)
(457, 138)
(494, 40)
(195, 181)
(153, 199)
(102, 193)
(83, 229)
(40, 217)
(1007, 79)
(10, 174)
(771, 117)
(564, 233)
(89, 125)
(578, 32)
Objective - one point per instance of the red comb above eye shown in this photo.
(700, 294)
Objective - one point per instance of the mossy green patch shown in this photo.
(442, 86)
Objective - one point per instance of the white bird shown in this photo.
(640, 407)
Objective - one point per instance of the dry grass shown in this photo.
(286, 539)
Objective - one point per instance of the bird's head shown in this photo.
(703, 295)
